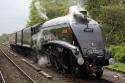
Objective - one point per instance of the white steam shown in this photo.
(79, 3)
(43, 61)
(41, 10)
(75, 9)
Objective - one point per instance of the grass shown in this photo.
(117, 66)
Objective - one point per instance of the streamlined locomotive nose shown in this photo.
(90, 40)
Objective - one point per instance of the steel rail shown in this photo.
(3, 80)
(18, 67)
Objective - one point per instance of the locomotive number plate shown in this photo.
(88, 30)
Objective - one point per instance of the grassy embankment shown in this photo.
(117, 66)
(118, 52)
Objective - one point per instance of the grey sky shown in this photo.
(13, 15)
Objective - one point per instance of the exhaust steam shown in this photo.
(41, 10)
(43, 61)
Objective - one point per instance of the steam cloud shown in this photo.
(43, 61)
(41, 10)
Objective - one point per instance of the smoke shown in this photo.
(79, 3)
(43, 61)
(75, 9)
(76, 6)
(41, 10)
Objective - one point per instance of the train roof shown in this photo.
(36, 25)
(63, 20)
(56, 21)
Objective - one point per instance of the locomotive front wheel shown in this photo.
(99, 72)
(73, 68)
(56, 64)
(74, 71)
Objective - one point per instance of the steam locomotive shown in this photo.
(73, 43)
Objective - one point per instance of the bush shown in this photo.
(118, 52)
(117, 66)
(113, 20)
(111, 14)
(4, 38)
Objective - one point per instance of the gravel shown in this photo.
(11, 73)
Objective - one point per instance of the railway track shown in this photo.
(31, 72)
(57, 77)
(44, 79)
(26, 77)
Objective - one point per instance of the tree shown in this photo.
(4, 38)
(34, 16)
(54, 8)
(94, 6)
(113, 21)
(110, 13)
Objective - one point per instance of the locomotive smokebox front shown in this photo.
(89, 36)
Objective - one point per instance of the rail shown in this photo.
(1, 75)
(25, 74)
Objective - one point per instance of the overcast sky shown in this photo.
(13, 15)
